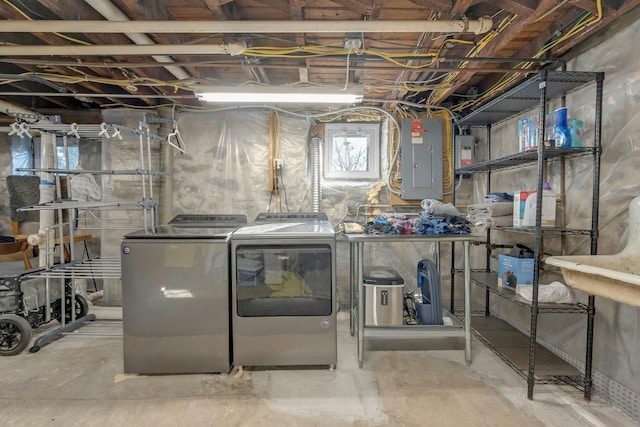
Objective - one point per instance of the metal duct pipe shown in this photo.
(112, 13)
(478, 26)
(316, 177)
(234, 48)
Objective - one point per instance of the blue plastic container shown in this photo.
(561, 133)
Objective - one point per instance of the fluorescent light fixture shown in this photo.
(278, 95)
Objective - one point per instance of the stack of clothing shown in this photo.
(492, 214)
(450, 224)
(425, 224)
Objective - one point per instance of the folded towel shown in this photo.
(481, 225)
(436, 207)
(487, 210)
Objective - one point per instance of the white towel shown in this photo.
(489, 210)
(436, 207)
(556, 292)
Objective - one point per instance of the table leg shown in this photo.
(467, 304)
(352, 283)
(360, 296)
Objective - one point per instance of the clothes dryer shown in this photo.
(283, 291)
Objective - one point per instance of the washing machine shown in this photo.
(283, 298)
(175, 296)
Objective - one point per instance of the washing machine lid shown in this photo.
(290, 217)
(172, 232)
(208, 220)
(315, 229)
(194, 226)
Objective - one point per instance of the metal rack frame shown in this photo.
(536, 91)
(356, 294)
(93, 268)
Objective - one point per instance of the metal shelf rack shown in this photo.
(536, 91)
(99, 267)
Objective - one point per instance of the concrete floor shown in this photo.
(78, 381)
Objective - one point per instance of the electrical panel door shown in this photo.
(421, 158)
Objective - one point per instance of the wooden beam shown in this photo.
(443, 6)
(607, 18)
(364, 7)
(90, 14)
(496, 46)
(590, 6)
(520, 7)
(460, 8)
(296, 9)
(80, 116)
(218, 8)
(56, 101)
(281, 5)
(376, 8)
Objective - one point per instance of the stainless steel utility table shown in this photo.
(356, 243)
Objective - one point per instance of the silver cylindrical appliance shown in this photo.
(383, 293)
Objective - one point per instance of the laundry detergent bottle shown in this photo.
(561, 134)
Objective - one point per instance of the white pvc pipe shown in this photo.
(112, 13)
(233, 48)
(478, 26)
(47, 189)
(47, 194)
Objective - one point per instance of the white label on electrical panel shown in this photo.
(466, 156)
(416, 138)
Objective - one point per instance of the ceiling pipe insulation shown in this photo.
(477, 26)
(233, 48)
(112, 13)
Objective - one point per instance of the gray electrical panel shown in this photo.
(421, 159)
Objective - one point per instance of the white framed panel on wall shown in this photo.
(352, 150)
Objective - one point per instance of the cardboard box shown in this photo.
(524, 209)
(518, 270)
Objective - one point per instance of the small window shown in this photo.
(352, 150)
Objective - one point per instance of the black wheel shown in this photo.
(15, 334)
(81, 308)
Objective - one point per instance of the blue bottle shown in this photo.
(561, 134)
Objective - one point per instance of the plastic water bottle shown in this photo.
(561, 134)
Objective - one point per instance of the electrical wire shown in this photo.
(284, 190)
(582, 24)
(436, 96)
(28, 18)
